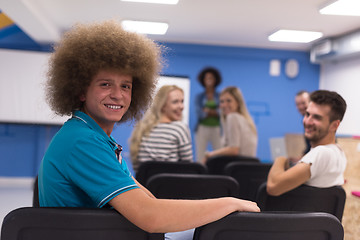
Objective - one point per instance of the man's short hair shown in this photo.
(333, 99)
(301, 92)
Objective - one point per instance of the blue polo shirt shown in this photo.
(80, 167)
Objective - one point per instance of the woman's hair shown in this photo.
(150, 120)
(242, 109)
(88, 48)
(211, 70)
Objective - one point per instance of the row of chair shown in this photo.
(214, 165)
(246, 180)
(243, 179)
(280, 217)
(94, 224)
(201, 186)
(249, 174)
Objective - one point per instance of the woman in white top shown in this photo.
(239, 131)
(160, 135)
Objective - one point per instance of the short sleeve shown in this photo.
(95, 169)
(317, 158)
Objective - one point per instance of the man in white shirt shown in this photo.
(325, 164)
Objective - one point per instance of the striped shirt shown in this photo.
(167, 142)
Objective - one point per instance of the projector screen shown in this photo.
(22, 96)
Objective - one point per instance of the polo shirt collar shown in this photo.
(93, 125)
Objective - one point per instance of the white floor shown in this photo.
(14, 193)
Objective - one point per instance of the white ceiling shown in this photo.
(244, 23)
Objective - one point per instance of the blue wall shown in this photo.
(270, 100)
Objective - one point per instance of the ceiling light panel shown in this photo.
(154, 1)
(156, 28)
(294, 36)
(342, 7)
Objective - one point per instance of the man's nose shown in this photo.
(307, 120)
(116, 92)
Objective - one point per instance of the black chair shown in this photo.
(304, 198)
(216, 164)
(150, 168)
(35, 202)
(249, 175)
(272, 226)
(70, 224)
(192, 186)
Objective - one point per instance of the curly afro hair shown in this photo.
(88, 48)
(211, 70)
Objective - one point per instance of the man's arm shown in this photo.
(143, 188)
(282, 179)
(161, 215)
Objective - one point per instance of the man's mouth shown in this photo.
(115, 107)
(309, 129)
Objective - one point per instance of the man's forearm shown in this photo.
(281, 178)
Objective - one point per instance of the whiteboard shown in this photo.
(343, 77)
(22, 95)
(22, 89)
(184, 84)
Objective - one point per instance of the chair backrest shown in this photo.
(216, 164)
(249, 175)
(70, 224)
(192, 186)
(272, 226)
(35, 202)
(304, 198)
(150, 168)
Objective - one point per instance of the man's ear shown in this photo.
(334, 125)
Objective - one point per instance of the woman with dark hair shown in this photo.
(207, 102)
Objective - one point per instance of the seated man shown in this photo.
(325, 164)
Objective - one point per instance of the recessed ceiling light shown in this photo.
(154, 1)
(145, 27)
(342, 7)
(294, 36)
